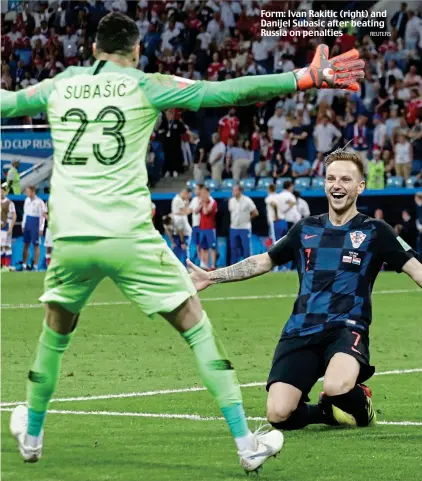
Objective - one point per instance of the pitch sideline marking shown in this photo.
(163, 392)
(204, 299)
(189, 417)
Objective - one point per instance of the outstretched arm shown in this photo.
(251, 267)
(413, 268)
(29, 101)
(166, 91)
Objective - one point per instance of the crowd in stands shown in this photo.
(219, 40)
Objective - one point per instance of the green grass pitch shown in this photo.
(117, 350)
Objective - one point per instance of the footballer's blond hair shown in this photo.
(341, 155)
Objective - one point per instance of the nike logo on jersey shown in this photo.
(307, 236)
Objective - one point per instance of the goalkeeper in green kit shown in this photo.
(101, 120)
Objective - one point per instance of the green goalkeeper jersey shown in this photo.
(101, 120)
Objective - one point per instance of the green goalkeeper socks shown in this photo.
(218, 374)
(44, 375)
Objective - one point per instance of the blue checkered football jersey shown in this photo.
(337, 267)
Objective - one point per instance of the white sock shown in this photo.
(245, 443)
(24, 266)
(32, 441)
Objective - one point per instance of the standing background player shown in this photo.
(8, 220)
(242, 210)
(338, 257)
(195, 210)
(207, 226)
(101, 120)
(182, 230)
(33, 222)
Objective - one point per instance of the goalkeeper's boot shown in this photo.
(18, 428)
(334, 415)
(267, 444)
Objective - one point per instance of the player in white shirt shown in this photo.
(302, 207)
(32, 225)
(8, 220)
(181, 228)
(242, 210)
(195, 210)
(286, 204)
(277, 227)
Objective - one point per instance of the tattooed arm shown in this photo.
(251, 267)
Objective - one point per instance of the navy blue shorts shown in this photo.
(195, 239)
(208, 239)
(31, 233)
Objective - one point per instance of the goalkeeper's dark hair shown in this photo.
(117, 33)
(341, 155)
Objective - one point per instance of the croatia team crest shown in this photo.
(357, 238)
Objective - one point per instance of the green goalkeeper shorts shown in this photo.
(143, 268)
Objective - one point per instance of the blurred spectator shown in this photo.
(376, 172)
(13, 179)
(70, 46)
(399, 20)
(168, 36)
(281, 168)
(260, 52)
(262, 169)
(207, 225)
(412, 79)
(392, 122)
(277, 126)
(298, 138)
(360, 142)
(416, 139)
(228, 126)
(388, 158)
(412, 31)
(394, 71)
(242, 210)
(217, 157)
(142, 22)
(318, 167)
(214, 69)
(239, 159)
(172, 130)
(403, 156)
(27, 80)
(301, 168)
(326, 136)
(379, 214)
(414, 107)
(380, 133)
(346, 41)
(200, 163)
